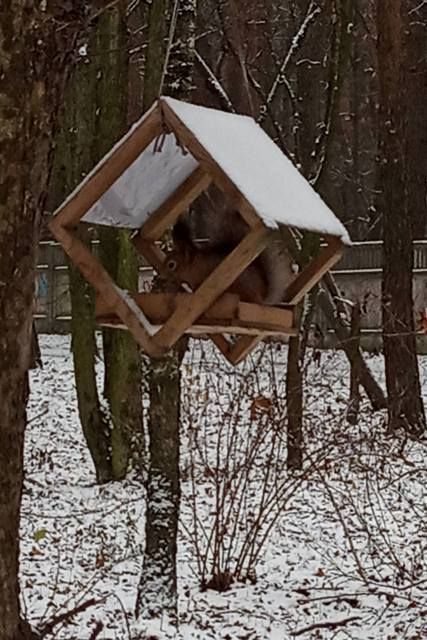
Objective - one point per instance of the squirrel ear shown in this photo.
(182, 239)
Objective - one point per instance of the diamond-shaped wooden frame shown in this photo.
(189, 313)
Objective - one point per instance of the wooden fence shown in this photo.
(358, 276)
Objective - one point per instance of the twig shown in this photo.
(122, 607)
(171, 36)
(65, 617)
(97, 630)
(325, 625)
(39, 415)
(109, 5)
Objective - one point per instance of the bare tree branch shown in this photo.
(312, 11)
(325, 625)
(215, 82)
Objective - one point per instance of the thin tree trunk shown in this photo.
(294, 370)
(74, 158)
(122, 379)
(294, 401)
(405, 407)
(33, 71)
(36, 355)
(416, 99)
(157, 593)
(122, 382)
(94, 422)
(354, 400)
(95, 117)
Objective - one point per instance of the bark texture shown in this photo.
(405, 408)
(33, 64)
(122, 382)
(94, 118)
(157, 593)
(294, 404)
(94, 421)
(74, 157)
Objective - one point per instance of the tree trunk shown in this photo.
(354, 399)
(74, 158)
(122, 379)
(405, 408)
(122, 382)
(157, 593)
(94, 422)
(96, 116)
(416, 99)
(295, 367)
(33, 57)
(294, 402)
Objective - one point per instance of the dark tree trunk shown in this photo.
(94, 422)
(122, 380)
(416, 100)
(122, 383)
(74, 158)
(354, 399)
(32, 53)
(94, 118)
(405, 408)
(157, 593)
(294, 402)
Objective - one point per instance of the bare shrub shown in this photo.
(234, 461)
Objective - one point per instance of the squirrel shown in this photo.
(192, 264)
(210, 231)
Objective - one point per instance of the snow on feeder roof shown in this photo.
(254, 163)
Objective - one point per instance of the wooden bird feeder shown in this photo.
(150, 178)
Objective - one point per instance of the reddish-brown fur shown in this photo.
(215, 218)
(192, 265)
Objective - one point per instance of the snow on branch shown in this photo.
(312, 11)
(214, 81)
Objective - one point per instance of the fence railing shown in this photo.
(368, 256)
(53, 300)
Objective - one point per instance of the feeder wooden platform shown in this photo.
(227, 315)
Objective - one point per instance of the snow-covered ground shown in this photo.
(349, 541)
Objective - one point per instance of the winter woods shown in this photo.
(179, 496)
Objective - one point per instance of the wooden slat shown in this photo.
(165, 216)
(236, 327)
(221, 343)
(210, 328)
(215, 284)
(266, 315)
(243, 347)
(159, 306)
(102, 282)
(152, 253)
(110, 170)
(187, 138)
(314, 271)
(294, 293)
(226, 311)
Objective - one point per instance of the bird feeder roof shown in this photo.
(193, 135)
